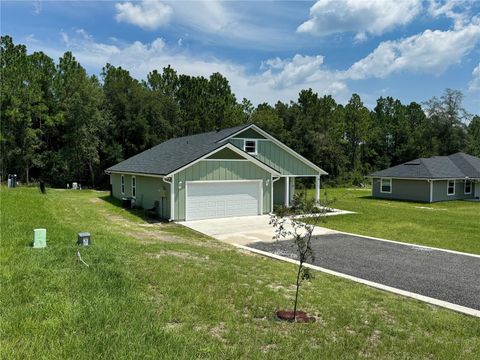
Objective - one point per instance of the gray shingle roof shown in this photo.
(456, 166)
(175, 153)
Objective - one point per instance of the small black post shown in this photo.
(43, 190)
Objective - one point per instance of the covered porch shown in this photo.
(284, 189)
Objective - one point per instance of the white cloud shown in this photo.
(361, 17)
(457, 10)
(299, 70)
(149, 14)
(276, 79)
(428, 52)
(37, 6)
(474, 85)
(207, 16)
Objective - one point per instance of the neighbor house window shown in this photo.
(250, 146)
(386, 185)
(468, 187)
(122, 181)
(134, 187)
(451, 187)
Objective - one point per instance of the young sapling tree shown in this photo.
(290, 224)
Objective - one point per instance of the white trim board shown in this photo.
(133, 173)
(430, 300)
(418, 179)
(279, 143)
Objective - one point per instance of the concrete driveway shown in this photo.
(240, 230)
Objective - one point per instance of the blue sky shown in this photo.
(270, 50)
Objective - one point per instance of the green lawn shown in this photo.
(161, 291)
(453, 225)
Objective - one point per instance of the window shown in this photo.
(468, 187)
(123, 184)
(451, 187)
(386, 186)
(250, 146)
(134, 187)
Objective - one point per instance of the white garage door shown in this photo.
(208, 200)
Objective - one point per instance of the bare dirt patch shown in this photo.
(267, 348)
(218, 331)
(154, 237)
(172, 325)
(178, 254)
(372, 343)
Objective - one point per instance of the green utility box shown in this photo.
(39, 238)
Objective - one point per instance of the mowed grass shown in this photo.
(453, 225)
(160, 291)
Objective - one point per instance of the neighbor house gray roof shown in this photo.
(456, 166)
(175, 153)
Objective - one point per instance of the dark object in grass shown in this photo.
(287, 315)
(126, 203)
(41, 184)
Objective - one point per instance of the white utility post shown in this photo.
(317, 188)
(287, 191)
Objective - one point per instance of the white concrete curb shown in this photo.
(433, 301)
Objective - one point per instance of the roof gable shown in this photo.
(277, 142)
(249, 134)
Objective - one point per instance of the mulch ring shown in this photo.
(300, 316)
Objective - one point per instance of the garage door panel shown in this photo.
(222, 199)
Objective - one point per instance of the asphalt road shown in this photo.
(441, 275)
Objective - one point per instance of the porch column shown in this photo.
(287, 191)
(317, 188)
(292, 189)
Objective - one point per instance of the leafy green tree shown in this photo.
(266, 117)
(448, 121)
(79, 99)
(357, 119)
(474, 136)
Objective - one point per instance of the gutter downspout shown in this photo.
(172, 196)
(271, 191)
(431, 190)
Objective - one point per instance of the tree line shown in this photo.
(59, 124)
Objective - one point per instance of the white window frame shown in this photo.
(134, 187)
(381, 186)
(448, 187)
(245, 146)
(122, 184)
(465, 187)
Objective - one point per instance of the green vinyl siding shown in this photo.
(249, 134)
(440, 191)
(278, 158)
(279, 191)
(148, 190)
(411, 190)
(219, 170)
(419, 190)
(226, 154)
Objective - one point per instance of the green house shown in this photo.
(240, 171)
